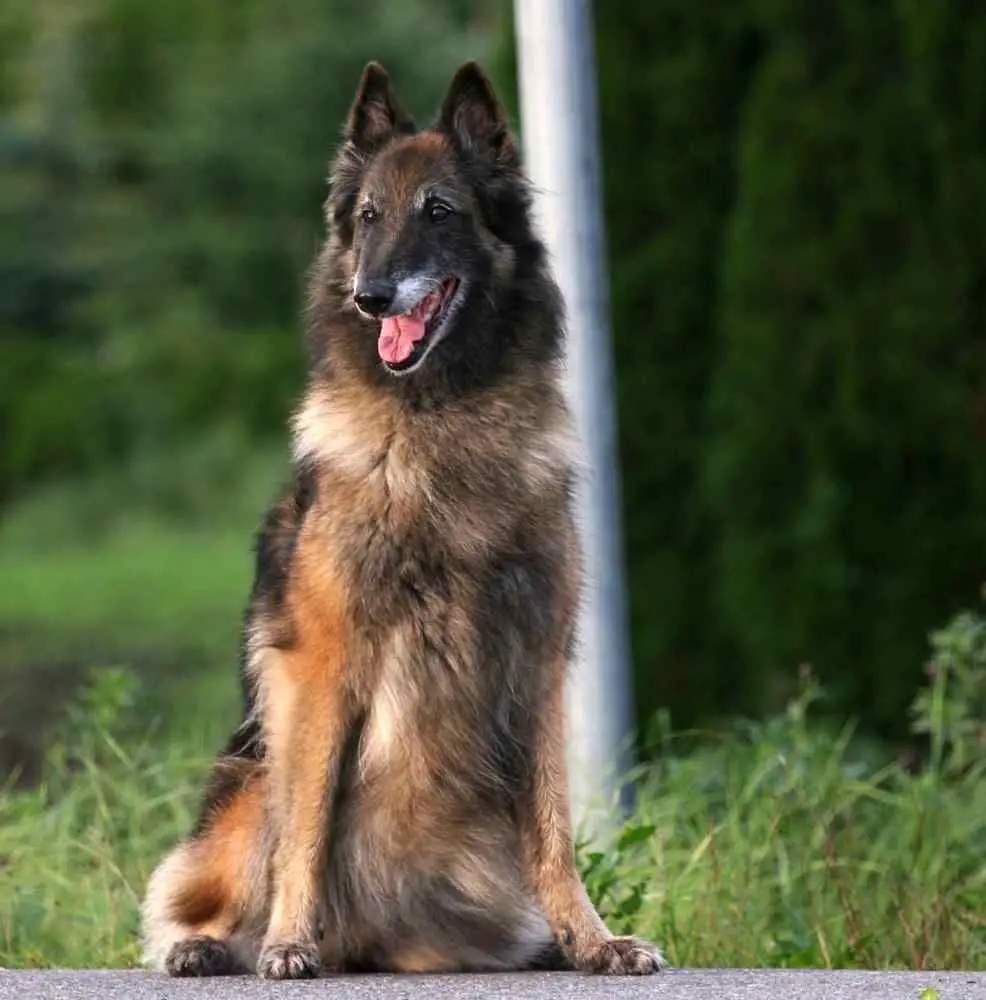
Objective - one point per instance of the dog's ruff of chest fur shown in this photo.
(426, 517)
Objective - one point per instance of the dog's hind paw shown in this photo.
(289, 960)
(622, 956)
(199, 956)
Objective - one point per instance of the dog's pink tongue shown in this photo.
(398, 335)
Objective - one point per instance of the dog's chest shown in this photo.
(411, 724)
(447, 602)
(442, 677)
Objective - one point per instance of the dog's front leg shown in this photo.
(550, 857)
(307, 716)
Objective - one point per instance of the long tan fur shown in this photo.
(396, 797)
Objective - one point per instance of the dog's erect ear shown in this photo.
(474, 117)
(376, 113)
(375, 117)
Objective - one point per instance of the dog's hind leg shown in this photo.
(203, 912)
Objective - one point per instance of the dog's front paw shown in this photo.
(621, 956)
(289, 960)
(199, 956)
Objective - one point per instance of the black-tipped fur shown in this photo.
(512, 310)
(199, 956)
(274, 547)
(396, 796)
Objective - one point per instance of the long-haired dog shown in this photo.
(396, 796)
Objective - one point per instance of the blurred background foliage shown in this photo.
(796, 213)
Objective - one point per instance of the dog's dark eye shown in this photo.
(368, 214)
(438, 211)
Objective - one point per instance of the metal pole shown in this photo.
(560, 132)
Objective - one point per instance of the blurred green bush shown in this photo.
(164, 167)
(796, 211)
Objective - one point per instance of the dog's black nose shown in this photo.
(374, 297)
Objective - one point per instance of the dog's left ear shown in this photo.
(476, 120)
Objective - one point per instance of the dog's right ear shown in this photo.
(376, 114)
(375, 117)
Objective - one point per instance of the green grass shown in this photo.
(75, 852)
(775, 849)
(770, 847)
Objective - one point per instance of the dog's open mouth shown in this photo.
(404, 339)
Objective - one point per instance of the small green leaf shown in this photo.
(929, 993)
(629, 906)
(635, 835)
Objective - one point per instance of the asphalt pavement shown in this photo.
(698, 984)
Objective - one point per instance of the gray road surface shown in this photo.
(701, 984)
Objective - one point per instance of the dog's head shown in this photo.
(430, 233)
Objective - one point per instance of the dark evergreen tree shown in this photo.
(846, 462)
